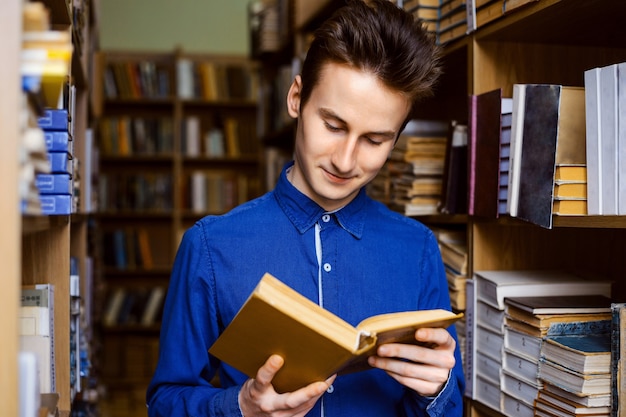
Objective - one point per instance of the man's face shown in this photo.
(345, 132)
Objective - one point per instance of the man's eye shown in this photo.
(374, 142)
(332, 128)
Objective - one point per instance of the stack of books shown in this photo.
(575, 365)
(446, 19)
(570, 190)
(46, 54)
(415, 168)
(454, 253)
(489, 371)
(57, 188)
(33, 158)
(529, 322)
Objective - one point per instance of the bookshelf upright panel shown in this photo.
(10, 252)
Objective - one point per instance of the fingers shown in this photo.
(258, 397)
(425, 369)
(266, 373)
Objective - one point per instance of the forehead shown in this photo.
(357, 95)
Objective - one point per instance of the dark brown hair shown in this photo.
(378, 37)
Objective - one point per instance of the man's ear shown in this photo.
(293, 97)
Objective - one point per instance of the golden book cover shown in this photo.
(314, 342)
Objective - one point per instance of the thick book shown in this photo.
(37, 331)
(570, 190)
(484, 134)
(496, 285)
(573, 207)
(454, 192)
(314, 343)
(561, 304)
(578, 383)
(585, 354)
(609, 147)
(621, 138)
(618, 359)
(595, 400)
(593, 143)
(552, 132)
(571, 173)
(551, 401)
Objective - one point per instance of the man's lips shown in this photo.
(336, 178)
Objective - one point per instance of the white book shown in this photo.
(593, 145)
(521, 366)
(153, 305)
(621, 137)
(29, 397)
(519, 388)
(522, 343)
(490, 317)
(488, 367)
(490, 343)
(488, 393)
(192, 136)
(184, 78)
(35, 321)
(493, 286)
(42, 347)
(608, 141)
(470, 338)
(198, 188)
(512, 406)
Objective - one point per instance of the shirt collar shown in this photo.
(304, 212)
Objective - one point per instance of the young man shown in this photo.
(318, 232)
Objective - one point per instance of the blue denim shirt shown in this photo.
(371, 261)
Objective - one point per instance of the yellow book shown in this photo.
(572, 172)
(314, 342)
(577, 190)
(570, 207)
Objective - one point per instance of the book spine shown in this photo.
(593, 142)
(621, 137)
(470, 343)
(517, 123)
(608, 131)
(579, 328)
(617, 310)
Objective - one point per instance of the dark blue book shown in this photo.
(585, 354)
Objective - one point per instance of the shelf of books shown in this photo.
(48, 174)
(178, 141)
(508, 191)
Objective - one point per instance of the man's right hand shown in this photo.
(258, 398)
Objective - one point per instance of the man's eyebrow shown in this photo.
(324, 112)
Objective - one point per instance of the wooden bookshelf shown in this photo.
(178, 141)
(544, 41)
(10, 243)
(37, 248)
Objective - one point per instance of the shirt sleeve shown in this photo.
(449, 401)
(181, 383)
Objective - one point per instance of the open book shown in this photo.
(314, 342)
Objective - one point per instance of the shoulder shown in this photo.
(397, 222)
(254, 209)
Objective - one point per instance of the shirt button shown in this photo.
(327, 267)
(326, 218)
(331, 389)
